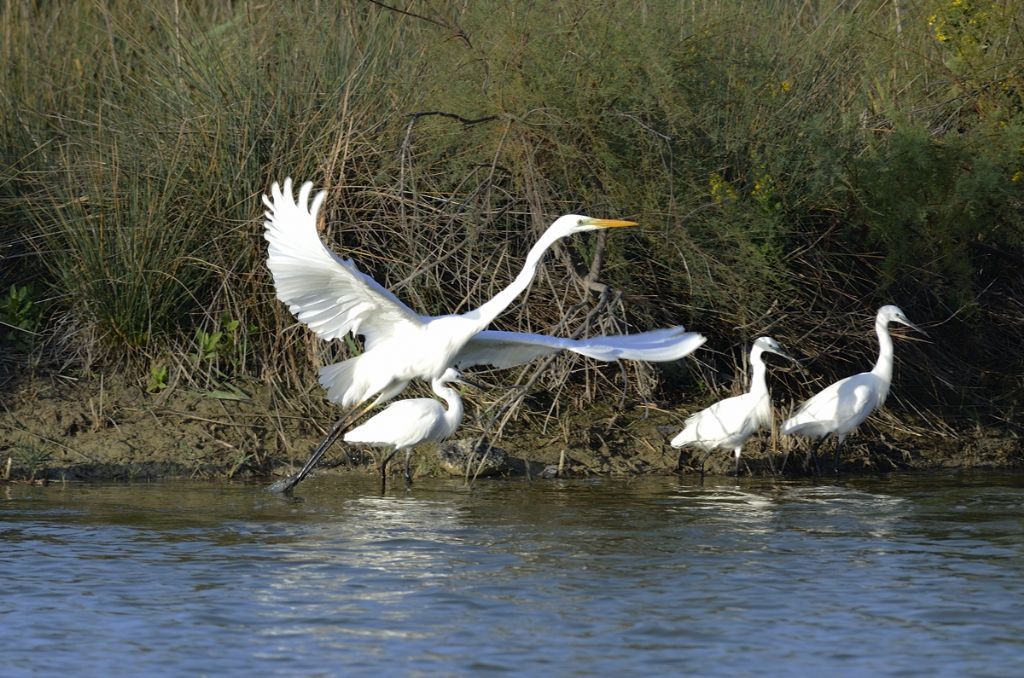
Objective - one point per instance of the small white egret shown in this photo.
(333, 297)
(730, 422)
(844, 405)
(407, 423)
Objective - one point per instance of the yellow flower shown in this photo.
(786, 85)
(720, 189)
(937, 25)
(1017, 176)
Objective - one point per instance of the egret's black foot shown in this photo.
(835, 458)
(284, 485)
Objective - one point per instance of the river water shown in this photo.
(914, 575)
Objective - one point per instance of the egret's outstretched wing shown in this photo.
(326, 292)
(508, 349)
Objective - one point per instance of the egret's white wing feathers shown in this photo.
(324, 291)
(840, 408)
(508, 349)
(707, 427)
(413, 420)
(727, 423)
(347, 383)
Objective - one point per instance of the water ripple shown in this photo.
(915, 575)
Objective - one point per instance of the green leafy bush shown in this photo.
(19, 318)
(789, 162)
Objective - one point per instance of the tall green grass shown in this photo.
(794, 166)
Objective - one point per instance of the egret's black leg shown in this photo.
(384, 470)
(766, 452)
(286, 484)
(814, 455)
(408, 470)
(703, 460)
(835, 461)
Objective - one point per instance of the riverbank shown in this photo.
(791, 171)
(54, 428)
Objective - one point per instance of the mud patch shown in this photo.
(109, 429)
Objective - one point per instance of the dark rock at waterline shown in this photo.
(473, 457)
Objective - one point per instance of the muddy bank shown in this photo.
(53, 428)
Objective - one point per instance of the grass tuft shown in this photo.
(794, 166)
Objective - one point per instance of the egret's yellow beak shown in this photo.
(611, 223)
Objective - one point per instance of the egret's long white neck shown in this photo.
(883, 367)
(490, 310)
(758, 384)
(453, 416)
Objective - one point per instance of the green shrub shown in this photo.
(19, 318)
(788, 162)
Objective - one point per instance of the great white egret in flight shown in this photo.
(333, 297)
(407, 423)
(729, 423)
(844, 405)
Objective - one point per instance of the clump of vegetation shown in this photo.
(157, 380)
(28, 459)
(19, 318)
(794, 166)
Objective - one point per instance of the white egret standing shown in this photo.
(728, 423)
(844, 405)
(407, 423)
(333, 297)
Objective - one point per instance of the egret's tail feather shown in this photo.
(795, 426)
(338, 379)
(352, 381)
(686, 436)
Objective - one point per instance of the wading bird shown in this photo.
(333, 297)
(728, 423)
(844, 405)
(407, 423)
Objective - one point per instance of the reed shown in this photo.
(794, 166)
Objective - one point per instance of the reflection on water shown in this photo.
(913, 574)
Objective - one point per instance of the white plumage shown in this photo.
(407, 423)
(729, 423)
(334, 298)
(844, 405)
(508, 349)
